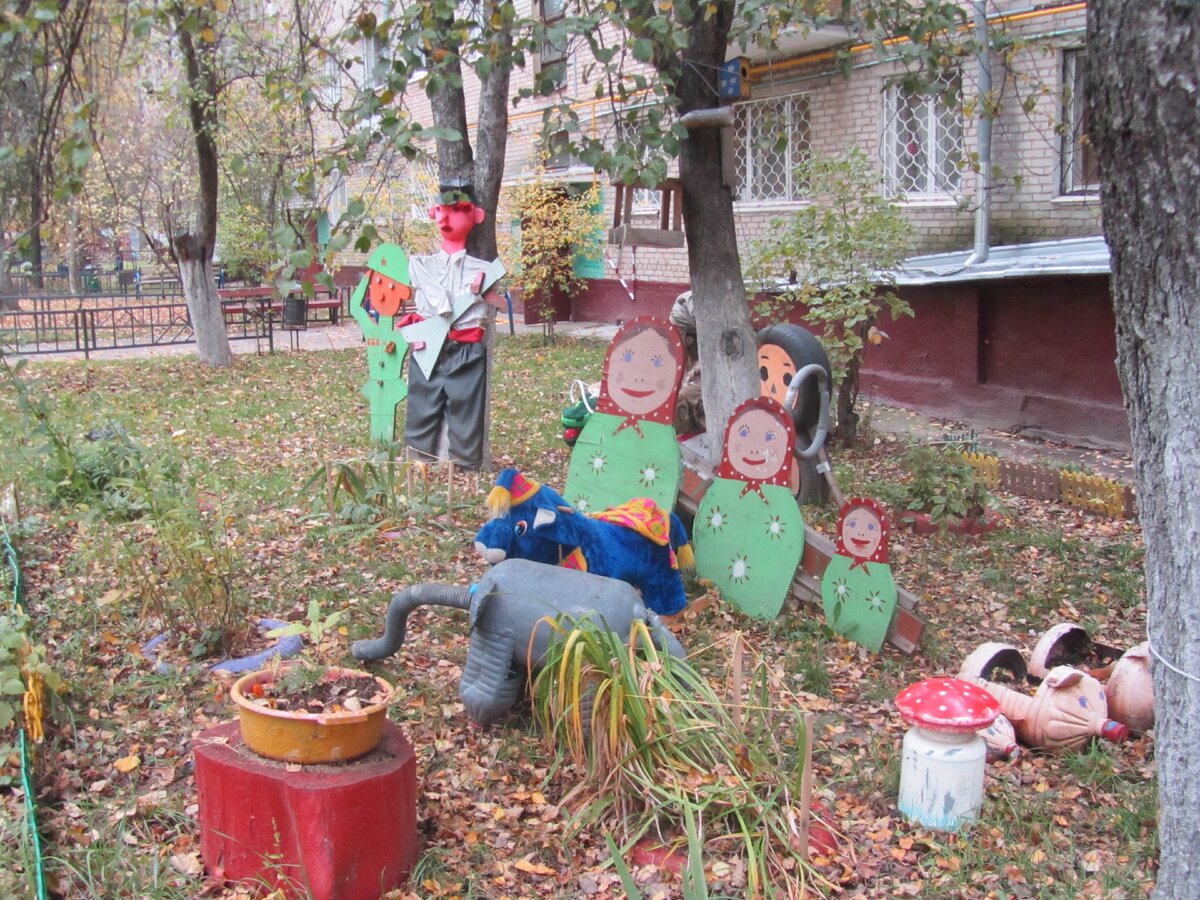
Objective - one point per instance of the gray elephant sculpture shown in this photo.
(510, 610)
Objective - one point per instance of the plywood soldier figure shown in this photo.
(447, 378)
(376, 301)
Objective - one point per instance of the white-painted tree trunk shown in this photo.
(204, 308)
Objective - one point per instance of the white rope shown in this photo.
(1173, 668)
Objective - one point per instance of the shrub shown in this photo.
(942, 484)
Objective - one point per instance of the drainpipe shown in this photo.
(983, 178)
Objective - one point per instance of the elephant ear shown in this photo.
(479, 602)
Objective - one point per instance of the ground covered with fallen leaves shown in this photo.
(116, 799)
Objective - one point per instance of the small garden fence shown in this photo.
(95, 323)
(1094, 493)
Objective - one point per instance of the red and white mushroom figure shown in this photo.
(941, 769)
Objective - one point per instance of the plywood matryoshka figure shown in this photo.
(748, 533)
(375, 304)
(628, 447)
(857, 589)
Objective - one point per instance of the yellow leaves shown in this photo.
(111, 596)
(530, 867)
(127, 764)
(208, 35)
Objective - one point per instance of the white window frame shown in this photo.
(749, 132)
(938, 117)
(1075, 152)
(372, 50)
(332, 89)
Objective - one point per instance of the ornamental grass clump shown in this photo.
(657, 748)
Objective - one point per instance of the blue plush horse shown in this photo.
(634, 542)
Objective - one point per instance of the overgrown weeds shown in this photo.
(659, 751)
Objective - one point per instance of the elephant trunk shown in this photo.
(403, 603)
(490, 684)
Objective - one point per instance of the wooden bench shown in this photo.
(263, 300)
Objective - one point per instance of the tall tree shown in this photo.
(44, 136)
(192, 248)
(1145, 127)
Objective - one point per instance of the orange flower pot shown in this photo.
(305, 737)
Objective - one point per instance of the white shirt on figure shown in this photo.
(439, 277)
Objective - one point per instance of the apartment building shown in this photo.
(986, 341)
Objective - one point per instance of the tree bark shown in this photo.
(194, 249)
(491, 139)
(1145, 127)
(725, 338)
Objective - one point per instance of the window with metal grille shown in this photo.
(922, 141)
(770, 139)
(1080, 168)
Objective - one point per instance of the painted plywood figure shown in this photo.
(749, 533)
(376, 301)
(628, 447)
(857, 589)
(447, 380)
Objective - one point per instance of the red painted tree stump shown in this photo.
(336, 832)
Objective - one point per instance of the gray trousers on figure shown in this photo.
(456, 392)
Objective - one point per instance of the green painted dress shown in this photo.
(611, 465)
(859, 599)
(749, 544)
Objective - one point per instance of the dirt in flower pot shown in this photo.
(307, 688)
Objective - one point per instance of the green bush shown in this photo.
(940, 483)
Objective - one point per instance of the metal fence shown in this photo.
(94, 324)
(122, 282)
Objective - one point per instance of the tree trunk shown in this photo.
(725, 338)
(36, 212)
(74, 282)
(1144, 60)
(491, 138)
(204, 308)
(194, 250)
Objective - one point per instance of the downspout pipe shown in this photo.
(983, 178)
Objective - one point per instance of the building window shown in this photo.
(770, 140)
(1080, 169)
(371, 50)
(922, 141)
(552, 55)
(332, 88)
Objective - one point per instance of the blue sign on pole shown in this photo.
(733, 80)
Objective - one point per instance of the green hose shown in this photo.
(10, 557)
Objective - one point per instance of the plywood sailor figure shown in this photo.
(376, 301)
(447, 378)
(628, 447)
(857, 589)
(748, 532)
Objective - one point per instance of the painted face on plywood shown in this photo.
(863, 531)
(776, 371)
(385, 293)
(757, 445)
(643, 370)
